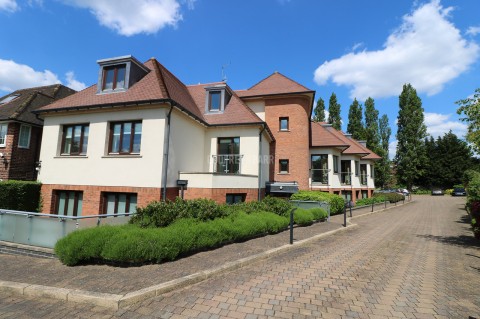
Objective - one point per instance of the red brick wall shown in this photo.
(21, 161)
(292, 144)
(92, 196)
(219, 194)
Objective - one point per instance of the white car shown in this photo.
(404, 191)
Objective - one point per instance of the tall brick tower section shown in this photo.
(287, 111)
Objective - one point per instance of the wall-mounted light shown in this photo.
(38, 165)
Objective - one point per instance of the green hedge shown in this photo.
(161, 214)
(20, 195)
(132, 244)
(336, 202)
(369, 201)
(472, 181)
(306, 217)
(390, 197)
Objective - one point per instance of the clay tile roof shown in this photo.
(276, 83)
(31, 99)
(322, 137)
(158, 84)
(236, 112)
(355, 148)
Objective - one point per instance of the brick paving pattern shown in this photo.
(415, 261)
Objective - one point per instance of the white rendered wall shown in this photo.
(97, 167)
(258, 107)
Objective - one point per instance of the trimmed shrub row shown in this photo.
(306, 217)
(20, 195)
(372, 200)
(131, 244)
(336, 202)
(161, 214)
(391, 197)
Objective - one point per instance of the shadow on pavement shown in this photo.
(462, 241)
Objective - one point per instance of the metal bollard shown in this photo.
(345, 215)
(291, 225)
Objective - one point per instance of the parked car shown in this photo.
(403, 191)
(437, 192)
(459, 191)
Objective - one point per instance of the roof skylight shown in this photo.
(9, 98)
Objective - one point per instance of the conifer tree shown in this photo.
(371, 126)
(319, 112)
(334, 117)
(410, 157)
(355, 121)
(382, 167)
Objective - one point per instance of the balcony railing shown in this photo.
(346, 178)
(363, 179)
(227, 164)
(319, 176)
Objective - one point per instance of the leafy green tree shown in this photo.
(383, 166)
(429, 177)
(410, 158)
(453, 158)
(355, 121)
(334, 117)
(319, 111)
(470, 107)
(371, 126)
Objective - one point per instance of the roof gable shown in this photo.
(31, 99)
(276, 83)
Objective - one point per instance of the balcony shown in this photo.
(346, 178)
(363, 179)
(227, 164)
(319, 176)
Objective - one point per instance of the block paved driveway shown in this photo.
(415, 261)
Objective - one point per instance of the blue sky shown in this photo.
(353, 48)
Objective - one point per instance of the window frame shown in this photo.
(120, 142)
(24, 126)
(128, 202)
(357, 168)
(115, 69)
(210, 94)
(76, 198)
(280, 120)
(81, 151)
(233, 167)
(287, 171)
(335, 163)
(4, 144)
(324, 172)
(234, 196)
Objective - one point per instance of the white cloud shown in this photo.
(427, 50)
(473, 30)
(8, 5)
(73, 83)
(14, 76)
(439, 124)
(130, 17)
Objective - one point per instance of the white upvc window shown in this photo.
(3, 134)
(24, 136)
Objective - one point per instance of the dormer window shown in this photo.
(114, 77)
(217, 98)
(215, 101)
(119, 74)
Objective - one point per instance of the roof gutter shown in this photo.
(166, 153)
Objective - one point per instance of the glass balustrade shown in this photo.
(44, 230)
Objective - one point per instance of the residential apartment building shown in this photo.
(21, 130)
(139, 134)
